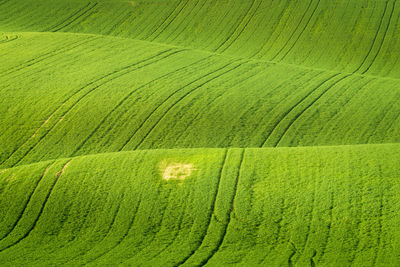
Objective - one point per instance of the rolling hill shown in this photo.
(193, 132)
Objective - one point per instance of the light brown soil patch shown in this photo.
(176, 170)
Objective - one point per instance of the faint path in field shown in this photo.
(284, 115)
(212, 210)
(231, 212)
(307, 107)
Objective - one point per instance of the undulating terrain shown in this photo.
(200, 132)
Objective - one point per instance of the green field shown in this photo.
(200, 132)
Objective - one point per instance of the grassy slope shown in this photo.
(332, 205)
(142, 95)
(80, 78)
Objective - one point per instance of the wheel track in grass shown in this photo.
(127, 97)
(176, 234)
(209, 105)
(302, 31)
(212, 210)
(314, 196)
(383, 39)
(123, 19)
(379, 239)
(164, 21)
(329, 226)
(47, 55)
(238, 26)
(283, 208)
(70, 97)
(307, 107)
(244, 27)
(183, 28)
(280, 16)
(114, 215)
(231, 212)
(156, 232)
(108, 231)
(375, 38)
(166, 99)
(72, 18)
(25, 205)
(186, 94)
(358, 239)
(293, 33)
(118, 243)
(285, 114)
(185, 2)
(58, 175)
(117, 74)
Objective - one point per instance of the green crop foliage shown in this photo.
(199, 132)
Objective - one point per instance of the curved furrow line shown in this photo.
(293, 33)
(183, 27)
(292, 254)
(176, 102)
(58, 175)
(283, 207)
(176, 234)
(82, 17)
(230, 35)
(164, 21)
(45, 56)
(375, 37)
(379, 241)
(383, 39)
(82, 222)
(314, 195)
(27, 201)
(307, 107)
(357, 246)
(280, 16)
(116, 74)
(119, 23)
(123, 237)
(212, 210)
(171, 20)
(89, 7)
(165, 100)
(302, 31)
(59, 25)
(114, 216)
(329, 226)
(243, 28)
(222, 237)
(209, 105)
(127, 97)
(285, 114)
